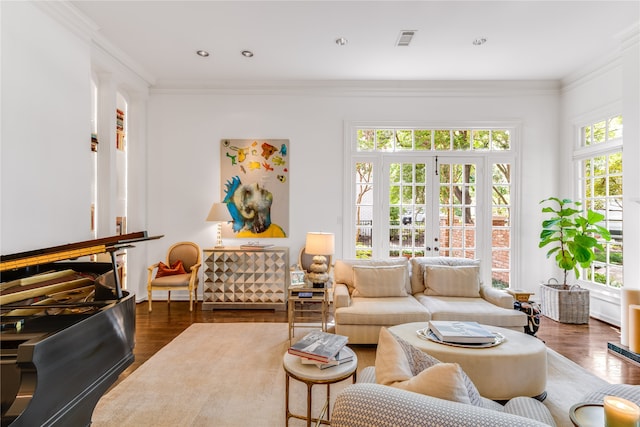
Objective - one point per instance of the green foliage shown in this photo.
(499, 284)
(572, 235)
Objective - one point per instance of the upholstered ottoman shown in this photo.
(517, 367)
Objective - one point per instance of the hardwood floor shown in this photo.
(584, 344)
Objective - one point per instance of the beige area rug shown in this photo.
(230, 374)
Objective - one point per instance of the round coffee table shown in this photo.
(311, 375)
(516, 367)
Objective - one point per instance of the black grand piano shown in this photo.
(67, 331)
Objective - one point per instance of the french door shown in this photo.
(430, 205)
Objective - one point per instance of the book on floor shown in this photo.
(461, 332)
(319, 346)
(343, 356)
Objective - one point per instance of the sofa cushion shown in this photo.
(343, 269)
(366, 405)
(418, 265)
(386, 311)
(379, 281)
(447, 281)
(471, 310)
(401, 365)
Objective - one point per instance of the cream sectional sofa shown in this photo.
(369, 294)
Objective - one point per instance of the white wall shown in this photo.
(185, 129)
(612, 88)
(45, 172)
(174, 142)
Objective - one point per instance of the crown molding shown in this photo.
(79, 24)
(628, 38)
(365, 88)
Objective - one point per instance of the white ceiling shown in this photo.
(295, 40)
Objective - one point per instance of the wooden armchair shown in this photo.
(191, 256)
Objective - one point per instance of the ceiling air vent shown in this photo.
(405, 37)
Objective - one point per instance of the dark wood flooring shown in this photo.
(584, 344)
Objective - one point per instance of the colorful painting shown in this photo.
(255, 177)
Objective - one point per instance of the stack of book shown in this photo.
(461, 332)
(322, 349)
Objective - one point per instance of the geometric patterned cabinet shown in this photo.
(241, 278)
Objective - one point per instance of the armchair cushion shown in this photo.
(379, 281)
(172, 280)
(176, 268)
(448, 281)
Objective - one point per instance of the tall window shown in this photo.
(599, 159)
(433, 192)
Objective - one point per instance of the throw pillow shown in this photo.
(379, 281)
(398, 361)
(442, 380)
(175, 268)
(446, 281)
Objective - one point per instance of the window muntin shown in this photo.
(457, 189)
(364, 209)
(501, 225)
(600, 184)
(413, 213)
(602, 131)
(396, 140)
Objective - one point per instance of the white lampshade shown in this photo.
(320, 243)
(219, 213)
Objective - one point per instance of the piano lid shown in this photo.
(72, 250)
(75, 250)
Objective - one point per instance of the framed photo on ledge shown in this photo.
(297, 278)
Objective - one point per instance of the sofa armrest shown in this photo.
(364, 405)
(497, 297)
(341, 296)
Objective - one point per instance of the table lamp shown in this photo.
(319, 245)
(219, 213)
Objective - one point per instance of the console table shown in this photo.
(245, 278)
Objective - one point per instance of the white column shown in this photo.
(106, 185)
(631, 183)
(137, 191)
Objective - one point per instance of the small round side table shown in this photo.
(311, 375)
(587, 414)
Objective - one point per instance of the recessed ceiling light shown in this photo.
(202, 53)
(247, 54)
(341, 41)
(479, 41)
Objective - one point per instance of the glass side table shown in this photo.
(303, 304)
(587, 414)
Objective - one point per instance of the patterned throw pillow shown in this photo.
(176, 268)
(398, 361)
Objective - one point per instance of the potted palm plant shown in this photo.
(572, 239)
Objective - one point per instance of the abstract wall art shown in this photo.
(255, 187)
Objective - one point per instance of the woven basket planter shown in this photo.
(564, 305)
